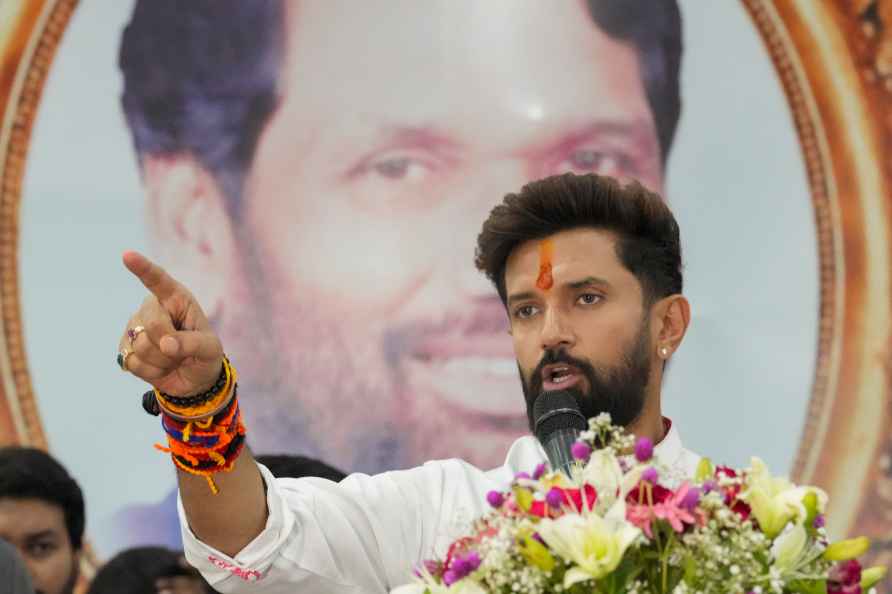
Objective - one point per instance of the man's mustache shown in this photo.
(553, 357)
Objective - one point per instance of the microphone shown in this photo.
(558, 423)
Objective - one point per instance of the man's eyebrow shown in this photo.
(40, 535)
(589, 281)
(418, 136)
(641, 131)
(520, 296)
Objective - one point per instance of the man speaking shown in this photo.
(589, 273)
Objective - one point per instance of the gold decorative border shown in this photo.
(31, 42)
(29, 36)
(834, 61)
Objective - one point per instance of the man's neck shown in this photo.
(650, 426)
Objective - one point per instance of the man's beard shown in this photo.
(620, 390)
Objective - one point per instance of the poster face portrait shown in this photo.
(317, 172)
(315, 178)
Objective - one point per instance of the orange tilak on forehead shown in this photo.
(546, 251)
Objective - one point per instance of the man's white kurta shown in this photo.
(367, 533)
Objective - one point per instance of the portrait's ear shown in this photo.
(190, 231)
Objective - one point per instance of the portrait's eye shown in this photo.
(408, 178)
(399, 167)
(592, 160)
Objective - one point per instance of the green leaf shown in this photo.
(523, 498)
(847, 549)
(810, 501)
(705, 470)
(626, 571)
(690, 569)
(536, 553)
(808, 586)
(870, 577)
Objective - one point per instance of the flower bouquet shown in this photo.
(617, 526)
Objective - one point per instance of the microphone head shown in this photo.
(556, 410)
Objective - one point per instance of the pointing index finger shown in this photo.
(153, 277)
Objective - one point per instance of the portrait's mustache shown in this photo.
(477, 325)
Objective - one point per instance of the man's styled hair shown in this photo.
(29, 473)
(648, 243)
(202, 77)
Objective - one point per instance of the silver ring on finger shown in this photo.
(133, 333)
(122, 359)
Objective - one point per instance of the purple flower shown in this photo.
(522, 475)
(495, 499)
(691, 499)
(431, 567)
(845, 578)
(471, 561)
(819, 521)
(846, 573)
(710, 486)
(581, 450)
(461, 566)
(539, 471)
(554, 498)
(650, 475)
(644, 449)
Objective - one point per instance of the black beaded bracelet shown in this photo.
(151, 406)
(199, 399)
(150, 402)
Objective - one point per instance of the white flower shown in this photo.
(788, 548)
(604, 473)
(594, 544)
(775, 501)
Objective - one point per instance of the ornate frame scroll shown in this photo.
(834, 59)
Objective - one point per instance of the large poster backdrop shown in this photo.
(317, 172)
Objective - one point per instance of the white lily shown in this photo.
(775, 501)
(594, 544)
(788, 548)
(604, 473)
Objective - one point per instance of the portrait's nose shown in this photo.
(476, 197)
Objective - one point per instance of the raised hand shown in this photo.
(168, 341)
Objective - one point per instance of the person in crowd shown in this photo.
(42, 516)
(148, 570)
